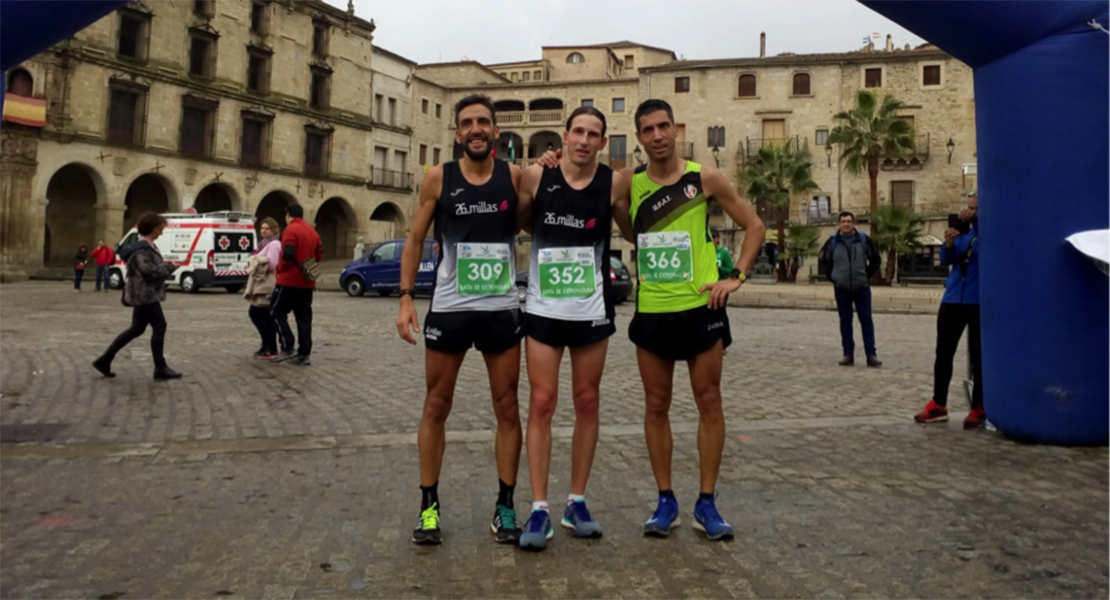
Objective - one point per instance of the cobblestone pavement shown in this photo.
(254, 480)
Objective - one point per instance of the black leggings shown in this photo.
(951, 321)
(141, 316)
(266, 326)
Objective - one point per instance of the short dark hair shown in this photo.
(652, 105)
(295, 210)
(715, 233)
(845, 213)
(473, 99)
(591, 111)
(149, 222)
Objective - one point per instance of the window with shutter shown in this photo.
(873, 78)
(681, 85)
(194, 131)
(254, 132)
(801, 84)
(123, 116)
(747, 86)
(314, 158)
(930, 75)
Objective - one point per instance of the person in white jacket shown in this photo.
(260, 285)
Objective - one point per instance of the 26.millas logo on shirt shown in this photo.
(480, 208)
(568, 221)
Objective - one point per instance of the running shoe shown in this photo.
(427, 533)
(504, 525)
(536, 531)
(577, 517)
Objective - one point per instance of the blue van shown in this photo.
(379, 270)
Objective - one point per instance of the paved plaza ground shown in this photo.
(247, 479)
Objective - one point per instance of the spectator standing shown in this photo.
(261, 281)
(104, 256)
(959, 309)
(301, 253)
(851, 259)
(80, 259)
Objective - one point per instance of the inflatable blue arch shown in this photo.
(1041, 119)
(1042, 123)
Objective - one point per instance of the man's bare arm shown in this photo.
(621, 204)
(526, 195)
(718, 187)
(407, 321)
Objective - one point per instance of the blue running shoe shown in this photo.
(577, 517)
(664, 518)
(536, 531)
(709, 521)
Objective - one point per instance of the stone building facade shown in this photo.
(736, 105)
(166, 106)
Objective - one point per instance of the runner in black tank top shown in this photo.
(473, 202)
(569, 305)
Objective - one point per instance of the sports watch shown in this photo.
(738, 274)
(410, 293)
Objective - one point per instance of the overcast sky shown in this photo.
(492, 32)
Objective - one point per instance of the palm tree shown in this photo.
(869, 131)
(801, 242)
(776, 173)
(899, 234)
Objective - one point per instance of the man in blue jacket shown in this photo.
(958, 309)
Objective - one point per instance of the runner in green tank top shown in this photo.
(680, 303)
(680, 312)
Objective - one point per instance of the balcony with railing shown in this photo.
(913, 160)
(393, 180)
(752, 145)
(527, 118)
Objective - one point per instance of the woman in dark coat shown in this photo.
(79, 261)
(144, 290)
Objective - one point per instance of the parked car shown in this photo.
(621, 282)
(379, 270)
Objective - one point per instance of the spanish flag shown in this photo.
(24, 111)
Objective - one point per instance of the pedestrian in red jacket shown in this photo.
(104, 257)
(300, 249)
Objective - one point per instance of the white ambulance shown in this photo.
(212, 248)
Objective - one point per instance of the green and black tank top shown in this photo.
(675, 255)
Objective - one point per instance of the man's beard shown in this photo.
(477, 156)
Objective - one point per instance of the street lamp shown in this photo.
(716, 156)
(951, 148)
(828, 152)
(636, 153)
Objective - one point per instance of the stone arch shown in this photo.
(20, 83)
(273, 205)
(509, 106)
(502, 145)
(546, 104)
(387, 222)
(334, 222)
(72, 194)
(217, 196)
(145, 194)
(538, 143)
(169, 186)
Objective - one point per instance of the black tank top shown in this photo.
(563, 217)
(467, 213)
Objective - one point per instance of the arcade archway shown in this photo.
(70, 215)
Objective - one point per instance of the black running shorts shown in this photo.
(567, 334)
(487, 331)
(681, 335)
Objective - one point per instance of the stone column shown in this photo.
(109, 223)
(19, 254)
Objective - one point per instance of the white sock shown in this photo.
(571, 498)
(540, 505)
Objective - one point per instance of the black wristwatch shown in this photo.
(738, 274)
(411, 293)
